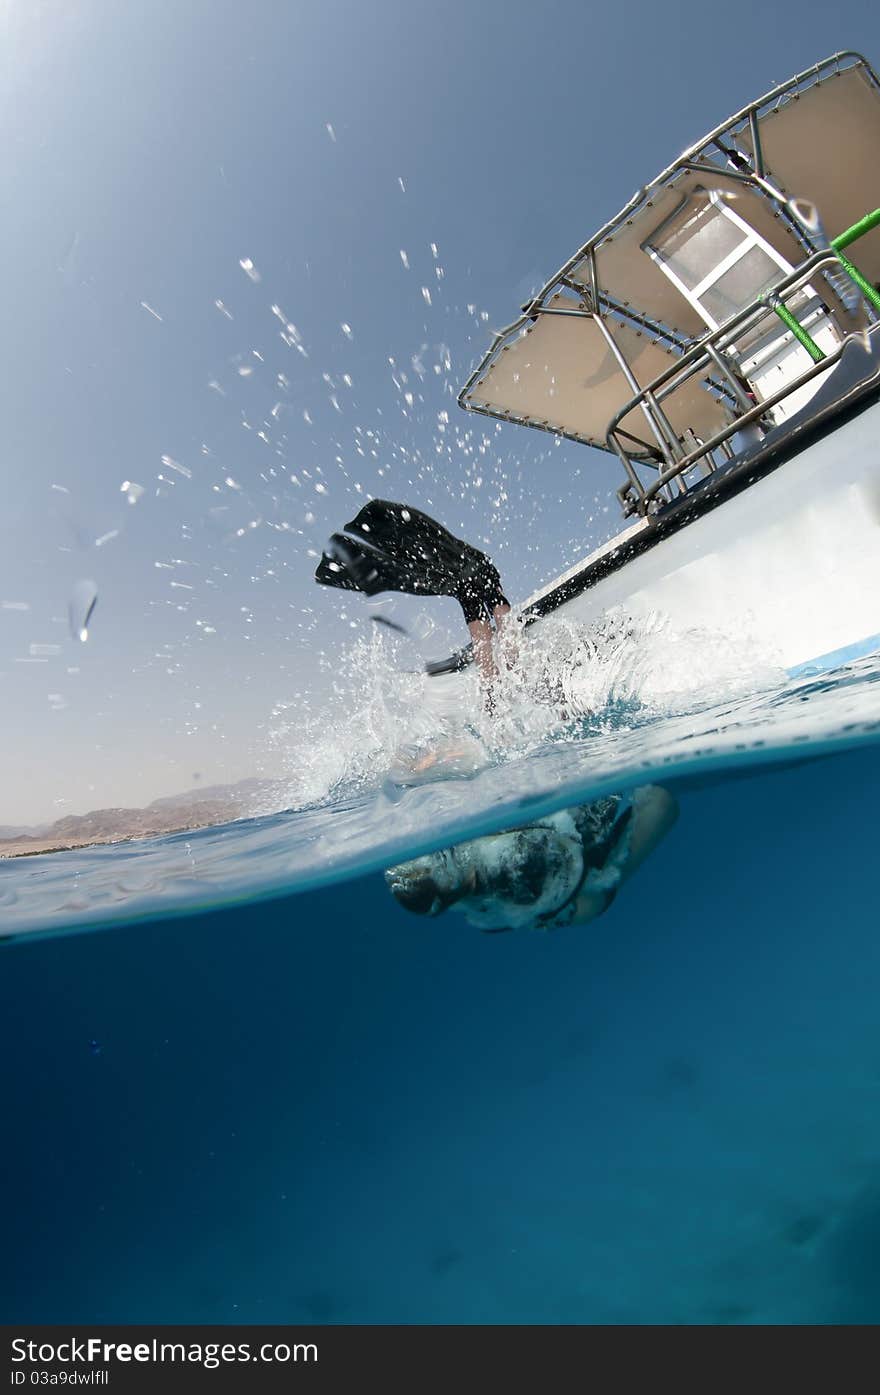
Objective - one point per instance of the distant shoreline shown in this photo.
(185, 813)
(34, 847)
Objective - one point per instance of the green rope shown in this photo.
(795, 326)
(867, 290)
(864, 225)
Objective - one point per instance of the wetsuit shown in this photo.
(530, 876)
(603, 827)
(392, 547)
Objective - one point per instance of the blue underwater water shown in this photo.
(316, 1107)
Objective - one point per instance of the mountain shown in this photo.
(176, 813)
(242, 792)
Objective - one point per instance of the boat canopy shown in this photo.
(563, 371)
(615, 315)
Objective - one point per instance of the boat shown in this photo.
(720, 336)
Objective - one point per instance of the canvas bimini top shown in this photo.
(715, 300)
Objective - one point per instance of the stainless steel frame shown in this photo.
(636, 497)
(708, 354)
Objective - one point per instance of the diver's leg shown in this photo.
(591, 902)
(481, 635)
(503, 635)
(654, 811)
(487, 643)
(485, 609)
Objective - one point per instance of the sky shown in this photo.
(248, 257)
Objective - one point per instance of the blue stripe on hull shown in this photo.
(836, 658)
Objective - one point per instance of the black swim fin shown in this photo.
(353, 566)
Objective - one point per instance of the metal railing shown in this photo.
(748, 116)
(708, 357)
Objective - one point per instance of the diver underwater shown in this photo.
(564, 869)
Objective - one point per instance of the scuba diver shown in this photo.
(565, 869)
(393, 547)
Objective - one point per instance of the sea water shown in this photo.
(260, 1091)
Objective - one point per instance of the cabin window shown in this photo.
(736, 288)
(696, 249)
(717, 261)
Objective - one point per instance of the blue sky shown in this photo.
(148, 152)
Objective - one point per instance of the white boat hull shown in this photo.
(790, 565)
(793, 561)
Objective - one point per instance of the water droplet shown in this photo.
(249, 269)
(405, 259)
(330, 131)
(83, 600)
(426, 295)
(131, 490)
(172, 464)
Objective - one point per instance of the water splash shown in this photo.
(363, 828)
(556, 683)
